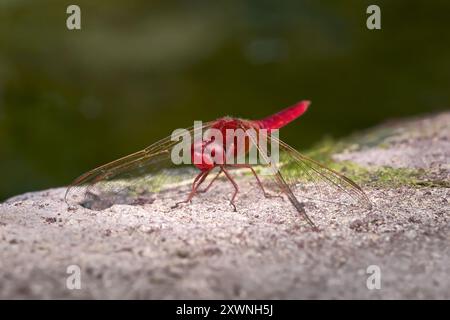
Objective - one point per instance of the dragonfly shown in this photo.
(151, 174)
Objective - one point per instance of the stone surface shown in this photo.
(422, 143)
(263, 251)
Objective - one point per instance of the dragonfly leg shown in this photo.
(236, 188)
(266, 194)
(210, 184)
(197, 182)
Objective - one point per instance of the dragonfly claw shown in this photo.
(177, 205)
(271, 196)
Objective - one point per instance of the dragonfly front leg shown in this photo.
(210, 184)
(197, 182)
(236, 188)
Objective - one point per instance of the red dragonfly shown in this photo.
(150, 174)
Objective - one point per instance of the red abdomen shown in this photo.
(285, 116)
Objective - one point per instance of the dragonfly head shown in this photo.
(214, 149)
(207, 154)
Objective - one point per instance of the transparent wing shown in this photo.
(314, 181)
(303, 179)
(138, 178)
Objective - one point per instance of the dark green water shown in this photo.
(72, 100)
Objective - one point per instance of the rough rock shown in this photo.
(263, 251)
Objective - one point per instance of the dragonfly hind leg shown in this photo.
(266, 194)
(197, 182)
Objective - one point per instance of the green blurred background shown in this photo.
(72, 100)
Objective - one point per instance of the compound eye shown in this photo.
(213, 153)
